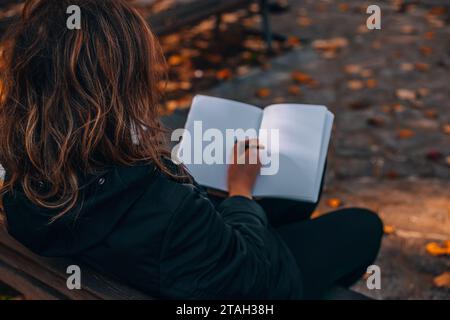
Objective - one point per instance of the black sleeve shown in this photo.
(216, 254)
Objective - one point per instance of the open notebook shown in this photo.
(300, 146)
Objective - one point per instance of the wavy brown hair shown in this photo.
(71, 98)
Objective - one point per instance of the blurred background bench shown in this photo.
(176, 14)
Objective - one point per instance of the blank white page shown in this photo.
(301, 129)
(219, 114)
(329, 119)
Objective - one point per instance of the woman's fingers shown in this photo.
(247, 152)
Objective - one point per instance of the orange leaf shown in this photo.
(426, 51)
(352, 68)
(406, 66)
(355, 84)
(293, 41)
(304, 21)
(334, 203)
(442, 281)
(429, 35)
(371, 83)
(405, 133)
(406, 94)
(343, 7)
(223, 74)
(431, 113)
(294, 90)
(366, 73)
(446, 129)
(437, 11)
(436, 249)
(330, 44)
(388, 229)
(263, 92)
(301, 77)
(175, 60)
(422, 66)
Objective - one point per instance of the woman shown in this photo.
(79, 185)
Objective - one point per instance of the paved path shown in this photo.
(390, 92)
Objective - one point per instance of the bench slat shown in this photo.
(52, 273)
(183, 15)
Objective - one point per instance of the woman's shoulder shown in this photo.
(162, 188)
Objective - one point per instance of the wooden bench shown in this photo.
(39, 278)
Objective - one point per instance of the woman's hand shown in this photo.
(244, 170)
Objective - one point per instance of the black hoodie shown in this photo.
(163, 237)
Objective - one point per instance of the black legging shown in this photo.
(334, 249)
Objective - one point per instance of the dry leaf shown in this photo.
(303, 78)
(405, 133)
(426, 51)
(334, 203)
(423, 92)
(429, 35)
(388, 229)
(366, 73)
(422, 66)
(343, 7)
(294, 90)
(431, 113)
(243, 70)
(371, 83)
(304, 21)
(408, 29)
(279, 100)
(293, 41)
(407, 66)
(442, 281)
(329, 54)
(352, 69)
(330, 44)
(355, 84)
(397, 107)
(175, 60)
(263, 92)
(437, 11)
(223, 74)
(446, 129)
(406, 94)
(436, 249)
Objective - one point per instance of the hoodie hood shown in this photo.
(101, 208)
